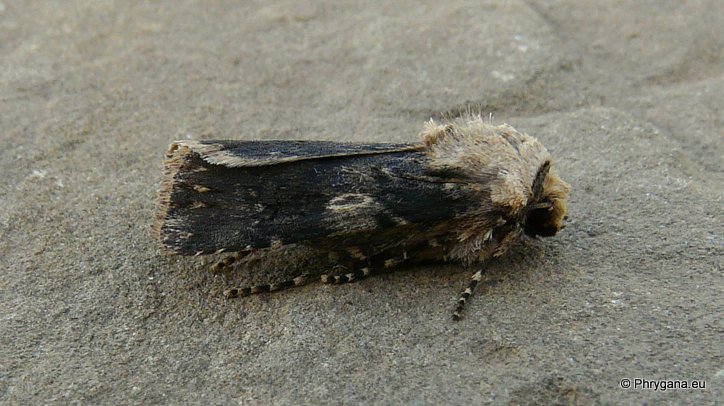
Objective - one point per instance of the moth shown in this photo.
(466, 192)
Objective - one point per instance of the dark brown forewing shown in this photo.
(320, 193)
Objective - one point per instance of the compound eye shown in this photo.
(540, 222)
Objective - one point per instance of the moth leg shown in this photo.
(357, 273)
(228, 261)
(457, 315)
(363, 270)
(271, 287)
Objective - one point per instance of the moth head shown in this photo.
(546, 209)
(512, 170)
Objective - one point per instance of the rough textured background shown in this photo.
(628, 95)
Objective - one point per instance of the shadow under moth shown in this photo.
(467, 192)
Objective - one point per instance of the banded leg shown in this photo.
(346, 278)
(228, 261)
(272, 287)
(363, 271)
(457, 315)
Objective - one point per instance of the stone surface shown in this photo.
(628, 96)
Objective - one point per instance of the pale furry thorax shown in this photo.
(503, 164)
